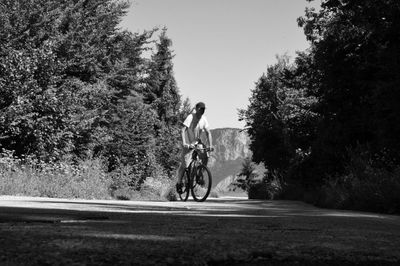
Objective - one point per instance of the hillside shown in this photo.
(231, 147)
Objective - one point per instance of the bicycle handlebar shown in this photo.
(196, 144)
(202, 149)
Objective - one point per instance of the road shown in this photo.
(225, 231)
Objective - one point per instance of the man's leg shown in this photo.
(180, 172)
(185, 160)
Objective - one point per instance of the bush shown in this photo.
(274, 187)
(333, 194)
(379, 192)
(257, 190)
(170, 194)
(160, 188)
(367, 186)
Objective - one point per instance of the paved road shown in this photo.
(226, 231)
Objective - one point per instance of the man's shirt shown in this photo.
(194, 127)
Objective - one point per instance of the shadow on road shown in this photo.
(97, 232)
(60, 210)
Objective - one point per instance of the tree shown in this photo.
(355, 47)
(60, 64)
(280, 117)
(33, 115)
(161, 88)
(162, 94)
(247, 174)
(74, 85)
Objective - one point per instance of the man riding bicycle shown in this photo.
(193, 125)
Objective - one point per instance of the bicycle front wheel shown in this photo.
(201, 183)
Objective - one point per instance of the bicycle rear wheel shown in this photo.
(201, 183)
(185, 186)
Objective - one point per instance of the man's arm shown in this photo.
(209, 137)
(183, 134)
(185, 126)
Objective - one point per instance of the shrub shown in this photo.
(160, 188)
(257, 190)
(274, 187)
(333, 194)
(170, 194)
(367, 186)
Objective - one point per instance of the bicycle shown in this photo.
(197, 177)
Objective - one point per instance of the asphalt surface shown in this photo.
(225, 231)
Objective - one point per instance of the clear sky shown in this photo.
(222, 47)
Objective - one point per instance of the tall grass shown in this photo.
(29, 177)
(86, 179)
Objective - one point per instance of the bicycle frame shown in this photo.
(195, 154)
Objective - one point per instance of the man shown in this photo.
(194, 124)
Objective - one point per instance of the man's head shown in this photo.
(200, 108)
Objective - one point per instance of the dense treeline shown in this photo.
(75, 86)
(329, 122)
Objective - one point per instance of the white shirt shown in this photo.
(194, 127)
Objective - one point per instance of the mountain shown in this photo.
(231, 146)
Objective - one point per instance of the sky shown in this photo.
(222, 47)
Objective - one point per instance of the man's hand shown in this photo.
(188, 146)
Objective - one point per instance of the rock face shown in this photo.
(231, 146)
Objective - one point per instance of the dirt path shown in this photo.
(227, 231)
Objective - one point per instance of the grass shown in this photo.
(85, 179)
(61, 180)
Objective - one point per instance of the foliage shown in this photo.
(185, 111)
(162, 94)
(73, 87)
(338, 96)
(247, 175)
(364, 186)
(355, 48)
(49, 56)
(280, 117)
(254, 181)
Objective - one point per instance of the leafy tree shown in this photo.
(131, 140)
(33, 115)
(73, 84)
(280, 117)
(355, 48)
(88, 31)
(54, 59)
